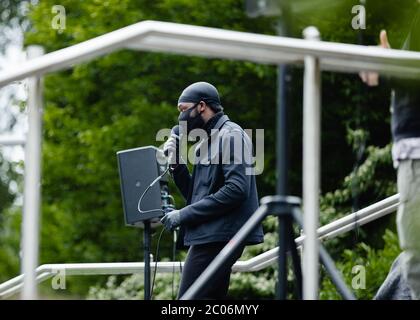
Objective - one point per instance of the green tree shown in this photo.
(11, 17)
(119, 101)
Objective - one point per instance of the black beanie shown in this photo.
(200, 91)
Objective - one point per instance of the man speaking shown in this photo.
(221, 192)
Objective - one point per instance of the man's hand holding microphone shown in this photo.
(171, 147)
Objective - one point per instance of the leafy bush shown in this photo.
(261, 285)
(376, 264)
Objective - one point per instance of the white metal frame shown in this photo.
(217, 43)
(32, 187)
(311, 167)
(6, 140)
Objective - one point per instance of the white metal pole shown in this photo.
(311, 168)
(32, 187)
(11, 140)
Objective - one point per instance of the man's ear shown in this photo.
(203, 106)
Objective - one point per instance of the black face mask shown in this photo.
(192, 122)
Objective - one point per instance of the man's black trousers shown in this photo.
(198, 259)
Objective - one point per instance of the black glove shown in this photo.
(171, 220)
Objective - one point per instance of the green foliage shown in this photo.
(366, 179)
(243, 286)
(10, 243)
(11, 20)
(6, 175)
(118, 102)
(261, 285)
(375, 262)
(132, 288)
(121, 100)
(10, 219)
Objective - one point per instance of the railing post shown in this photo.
(32, 186)
(147, 248)
(311, 168)
(11, 140)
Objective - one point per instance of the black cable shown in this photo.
(180, 278)
(161, 233)
(156, 262)
(160, 236)
(147, 189)
(173, 267)
(361, 149)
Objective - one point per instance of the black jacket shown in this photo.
(221, 195)
(405, 102)
(405, 109)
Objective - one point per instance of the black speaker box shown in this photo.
(138, 168)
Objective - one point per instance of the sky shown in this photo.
(11, 96)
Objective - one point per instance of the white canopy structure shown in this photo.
(311, 53)
(218, 43)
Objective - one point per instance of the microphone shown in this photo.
(171, 156)
(175, 131)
